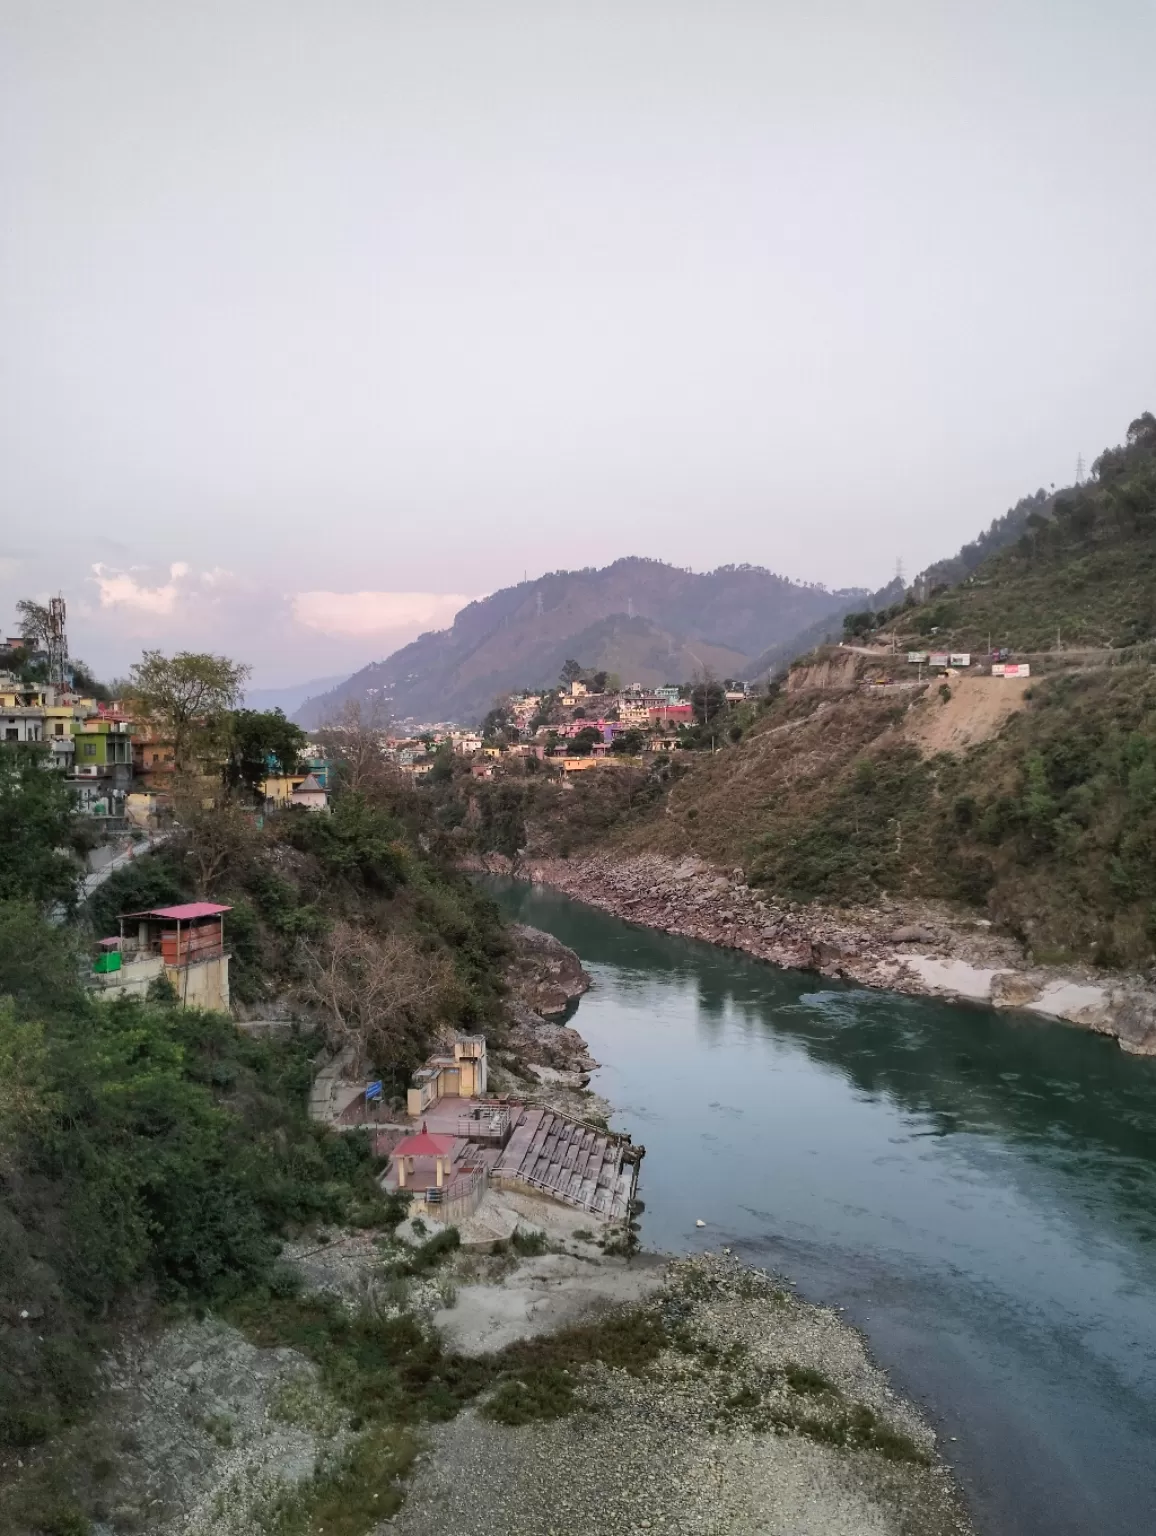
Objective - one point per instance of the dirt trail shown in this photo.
(976, 711)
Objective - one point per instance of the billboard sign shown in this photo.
(373, 1091)
(914, 656)
(939, 658)
(961, 658)
(1016, 669)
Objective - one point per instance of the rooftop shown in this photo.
(184, 913)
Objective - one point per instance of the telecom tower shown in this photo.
(1079, 469)
(57, 644)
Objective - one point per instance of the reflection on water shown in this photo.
(978, 1188)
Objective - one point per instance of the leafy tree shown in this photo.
(498, 721)
(598, 682)
(502, 825)
(585, 741)
(708, 700)
(187, 696)
(630, 742)
(255, 737)
(443, 764)
(36, 813)
(571, 671)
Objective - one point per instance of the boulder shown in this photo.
(543, 973)
(912, 933)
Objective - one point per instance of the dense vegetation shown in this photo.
(155, 1156)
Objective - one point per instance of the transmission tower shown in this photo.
(57, 644)
(1079, 469)
(900, 574)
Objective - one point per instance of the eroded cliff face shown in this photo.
(924, 949)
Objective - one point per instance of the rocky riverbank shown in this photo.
(715, 1402)
(924, 950)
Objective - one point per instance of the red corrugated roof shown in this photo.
(184, 913)
(424, 1145)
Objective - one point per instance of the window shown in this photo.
(11, 733)
(60, 727)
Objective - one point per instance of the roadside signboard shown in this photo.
(1017, 669)
(916, 656)
(939, 658)
(961, 658)
(373, 1091)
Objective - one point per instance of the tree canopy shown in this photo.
(186, 695)
(257, 737)
(36, 815)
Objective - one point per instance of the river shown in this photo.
(976, 1189)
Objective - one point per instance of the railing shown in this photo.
(489, 1125)
(458, 1199)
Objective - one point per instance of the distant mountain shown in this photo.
(649, 622)
(291, 697)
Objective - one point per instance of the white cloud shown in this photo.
(121, 589)
(371, 613)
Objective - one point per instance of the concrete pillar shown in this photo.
(439, 1172)
(401, 1173)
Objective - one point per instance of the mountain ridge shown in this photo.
(649, 621)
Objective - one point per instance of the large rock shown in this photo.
(543, 973)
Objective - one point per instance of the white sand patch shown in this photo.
(955, 976)
(542, 1294)
(1070, 1000)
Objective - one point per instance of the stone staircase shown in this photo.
(552, 1154)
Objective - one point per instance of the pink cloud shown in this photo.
(372, 613)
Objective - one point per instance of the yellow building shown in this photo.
(461, 1075)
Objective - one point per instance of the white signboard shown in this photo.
(914, 656)
(1016, 669)
(938, 658)
(961, 658)
(998, 669)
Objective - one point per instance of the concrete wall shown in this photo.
(132, 980)
(203, 984)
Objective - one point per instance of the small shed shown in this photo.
(181, 935)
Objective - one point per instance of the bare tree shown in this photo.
(382, 995)
(354, 740)
(218, 831)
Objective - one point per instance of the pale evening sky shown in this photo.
(401, 300)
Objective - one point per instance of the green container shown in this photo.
(109, 961)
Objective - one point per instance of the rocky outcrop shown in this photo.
(921, 949)
(543, 973)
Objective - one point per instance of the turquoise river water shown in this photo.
(978, 1190)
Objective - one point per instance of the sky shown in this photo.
(319, 320)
